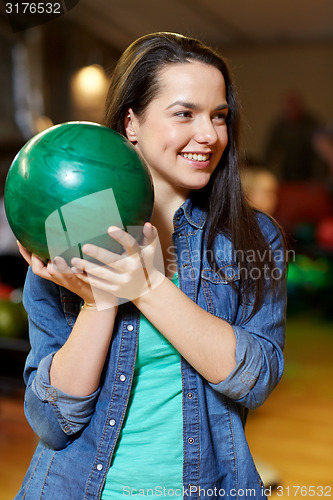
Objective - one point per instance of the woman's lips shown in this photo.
(197, 160)
(196, 156)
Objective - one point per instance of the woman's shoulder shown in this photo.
(269, 227)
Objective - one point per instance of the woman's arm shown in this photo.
(77, 366)
(55, 416)
(207, 342)
(243, 361)
(59, 405)
(245, 365)
(260, 340)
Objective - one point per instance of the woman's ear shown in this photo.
(130, 126)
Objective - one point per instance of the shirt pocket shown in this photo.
(219, 290)
(71, 305)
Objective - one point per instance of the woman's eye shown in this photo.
(221, 117)
(184, 114)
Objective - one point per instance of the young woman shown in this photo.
(150, 398)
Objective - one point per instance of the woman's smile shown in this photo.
(197, 160)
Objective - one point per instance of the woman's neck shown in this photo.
(168, 199)
(167, 202)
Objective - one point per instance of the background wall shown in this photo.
(263, 73)
(272, 47)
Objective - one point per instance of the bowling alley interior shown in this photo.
(56, 71)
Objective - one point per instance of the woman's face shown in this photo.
(183, 132)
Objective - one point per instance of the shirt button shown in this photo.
(191, 440)
(112, 422)
(122, 378)
(185, 264)
(190, 395)
(130, 328)
(99, 467)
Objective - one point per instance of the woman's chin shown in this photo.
(199, 184)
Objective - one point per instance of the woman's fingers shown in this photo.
(105, 270)
(37, 265)
(24, 252)
(60, 265)
(124, 275)
(60, 273)
(136, 271)
(149, 234)
(100, 254)
(129, 244)
(106, 257)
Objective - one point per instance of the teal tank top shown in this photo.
(148, 458)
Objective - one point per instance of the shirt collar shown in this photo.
(194, 215)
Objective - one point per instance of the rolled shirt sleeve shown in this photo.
(74, 412)
(56, 417)
(260, 340)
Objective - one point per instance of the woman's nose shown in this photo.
(205, 132)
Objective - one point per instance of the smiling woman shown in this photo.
(152, 395)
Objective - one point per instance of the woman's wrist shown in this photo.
(89, 306)
(92, 307)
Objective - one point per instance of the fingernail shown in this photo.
(52, 265)
(86, 248)
(113, 228)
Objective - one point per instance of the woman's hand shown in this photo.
(61, 274)
(130, 275)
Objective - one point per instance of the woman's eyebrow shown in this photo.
(191, 105)
(185, 104)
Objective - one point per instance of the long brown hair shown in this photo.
(134, 83)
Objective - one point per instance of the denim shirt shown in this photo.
(78, 435)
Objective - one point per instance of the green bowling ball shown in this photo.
(69, 183)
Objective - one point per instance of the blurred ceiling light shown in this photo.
(89, 83)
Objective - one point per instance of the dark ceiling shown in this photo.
(223, 23)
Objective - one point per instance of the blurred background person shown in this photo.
(261, 188)
(289, 152)
(323, 144)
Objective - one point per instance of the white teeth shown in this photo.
(195, 156)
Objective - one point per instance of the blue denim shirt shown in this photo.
(78, 434)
